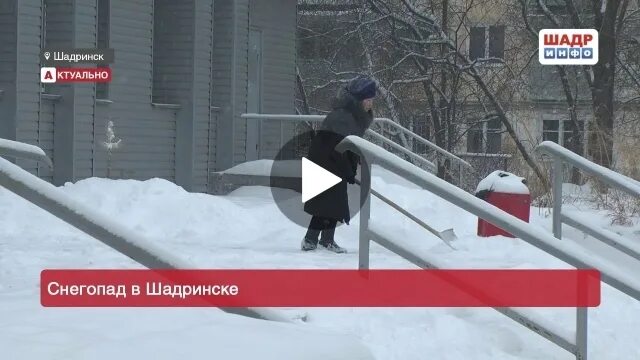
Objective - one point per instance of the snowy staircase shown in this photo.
(612, 271)
(82, 216)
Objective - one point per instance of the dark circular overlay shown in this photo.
(286, 175)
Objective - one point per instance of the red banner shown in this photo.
(320, 288)
(95, 75)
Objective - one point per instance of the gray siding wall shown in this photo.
(241, 74)
(221, 79)
(72, 23)
(173, 75)
(233, 19)
(229, 64)
(59, 33)
(8, 54)
(182, 75)
(173, 38)
(28, 76)
(59, 25)
(183, 118)
(86, 13)
(204, 149)
(45, 136)
(231, 29)
(277, 20)
(148, 133)
(212, 144)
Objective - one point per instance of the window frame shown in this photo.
(482, 127)
(561, 131)
(486, 58)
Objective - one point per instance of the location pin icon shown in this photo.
(47, 55)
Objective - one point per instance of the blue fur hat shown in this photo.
(362, 88)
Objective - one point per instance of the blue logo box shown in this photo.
(568, 53)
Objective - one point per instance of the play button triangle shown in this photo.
(315, 180)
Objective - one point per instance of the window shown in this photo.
(485, 137)
(561, 132)
(477, 43)
(486, 42)
(102, 89)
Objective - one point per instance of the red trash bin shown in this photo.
(507, 192)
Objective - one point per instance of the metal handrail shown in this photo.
(535, 325)
(628, 246)
(406, 213)
(611, 272)
(561, 155)
(608, 176)
(424, 141)
(21, 150)
(432, 167)
(420, 139)
(57, 203)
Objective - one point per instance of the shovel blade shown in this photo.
(448, 236)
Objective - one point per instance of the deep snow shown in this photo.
(246, 230)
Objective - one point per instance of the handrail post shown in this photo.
(557, 197)
(365, 213)
(581, 331)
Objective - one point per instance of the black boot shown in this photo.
(309, 244)
(327, 241)
(310, 241)
(333, 247)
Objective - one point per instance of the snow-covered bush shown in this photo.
(111, 143)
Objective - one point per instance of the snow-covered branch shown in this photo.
(111, 142)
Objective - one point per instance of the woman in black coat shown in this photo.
(352, 115)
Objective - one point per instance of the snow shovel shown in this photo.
(447, 236)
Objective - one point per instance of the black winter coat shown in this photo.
(347, 118)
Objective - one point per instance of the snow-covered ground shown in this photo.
(246, 230)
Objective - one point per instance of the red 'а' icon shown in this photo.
(48, 75)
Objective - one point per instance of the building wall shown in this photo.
(148, 133)
(204, 137)
(46, 135)
(85, 36)
(8, 55)
(29, 22)
(240, 70)
(176, 112)
(277, 22)
(275, 19)
(224, 79)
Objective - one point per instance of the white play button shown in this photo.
(315, 180)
